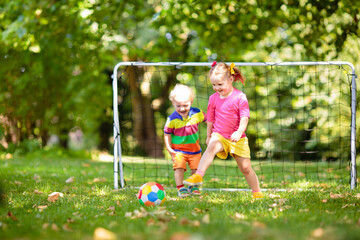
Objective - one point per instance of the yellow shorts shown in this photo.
(239, 148)
(180, 160)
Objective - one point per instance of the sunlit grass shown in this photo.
(304, 210)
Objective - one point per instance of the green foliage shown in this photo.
(88, 203)
(57, 57)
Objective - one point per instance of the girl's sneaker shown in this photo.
(258, 195)
(195, 179)
(194, 190)
(183, 192)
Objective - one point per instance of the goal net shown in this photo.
(301, 130)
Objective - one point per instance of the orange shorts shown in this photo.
(180, 160)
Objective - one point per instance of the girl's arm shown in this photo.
(242, 127)
(209, 131)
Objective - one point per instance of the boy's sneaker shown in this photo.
(195, 179)
(258, 195)
(194, 190)
(183, 192)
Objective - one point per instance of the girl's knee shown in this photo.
(246, 170)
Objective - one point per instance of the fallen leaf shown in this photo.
(324, 200)
(85, 165)
(334, 196)
(53, 197)
(95, 180)
(258, 224)
(18, 182)
(206, 219)
(150, 222)
(303, 210)
(36, 177)
(38, 192)
(67, 228)
(239, 216)
(274, 195)
(301, 174)
(357, 195)
(112, 208)
(180, 236)
(54, 227)
(319, 232)
(273, 205)
(45, 225)
(215, 180)
(184, 221)
(118, 203)
(41, 207)
(280, 201)
(11, 215)
(196, 223)
(70, 180)
(104, 234)
(197, 210)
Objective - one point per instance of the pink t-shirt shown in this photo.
(225, 113)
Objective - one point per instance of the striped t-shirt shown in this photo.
(185, 132)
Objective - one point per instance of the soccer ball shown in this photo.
(151, 194)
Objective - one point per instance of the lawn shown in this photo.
(83, 205)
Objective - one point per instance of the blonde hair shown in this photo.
(183, 92)
(223, 69)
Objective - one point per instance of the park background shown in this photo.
(58, 58)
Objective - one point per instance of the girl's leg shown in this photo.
(244, 165)
(207, 158)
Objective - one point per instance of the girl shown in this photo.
(227, 118)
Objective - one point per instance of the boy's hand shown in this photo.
(173, 155)
(235, 136)
(208, 140)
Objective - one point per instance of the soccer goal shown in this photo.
(301, 131)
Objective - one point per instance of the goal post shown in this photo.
(293, 97)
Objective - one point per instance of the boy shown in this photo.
(181, 136)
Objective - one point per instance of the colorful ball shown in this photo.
(151, 194)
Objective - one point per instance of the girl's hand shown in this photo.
(235, 136)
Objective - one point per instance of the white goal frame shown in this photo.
(118, 166)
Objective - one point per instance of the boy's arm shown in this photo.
(242, 127)
(167, 140)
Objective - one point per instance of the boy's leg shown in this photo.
(179, 177)
(244, 165)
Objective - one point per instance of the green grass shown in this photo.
(324, 211)
(225, 174)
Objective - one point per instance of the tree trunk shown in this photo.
(143, 116)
